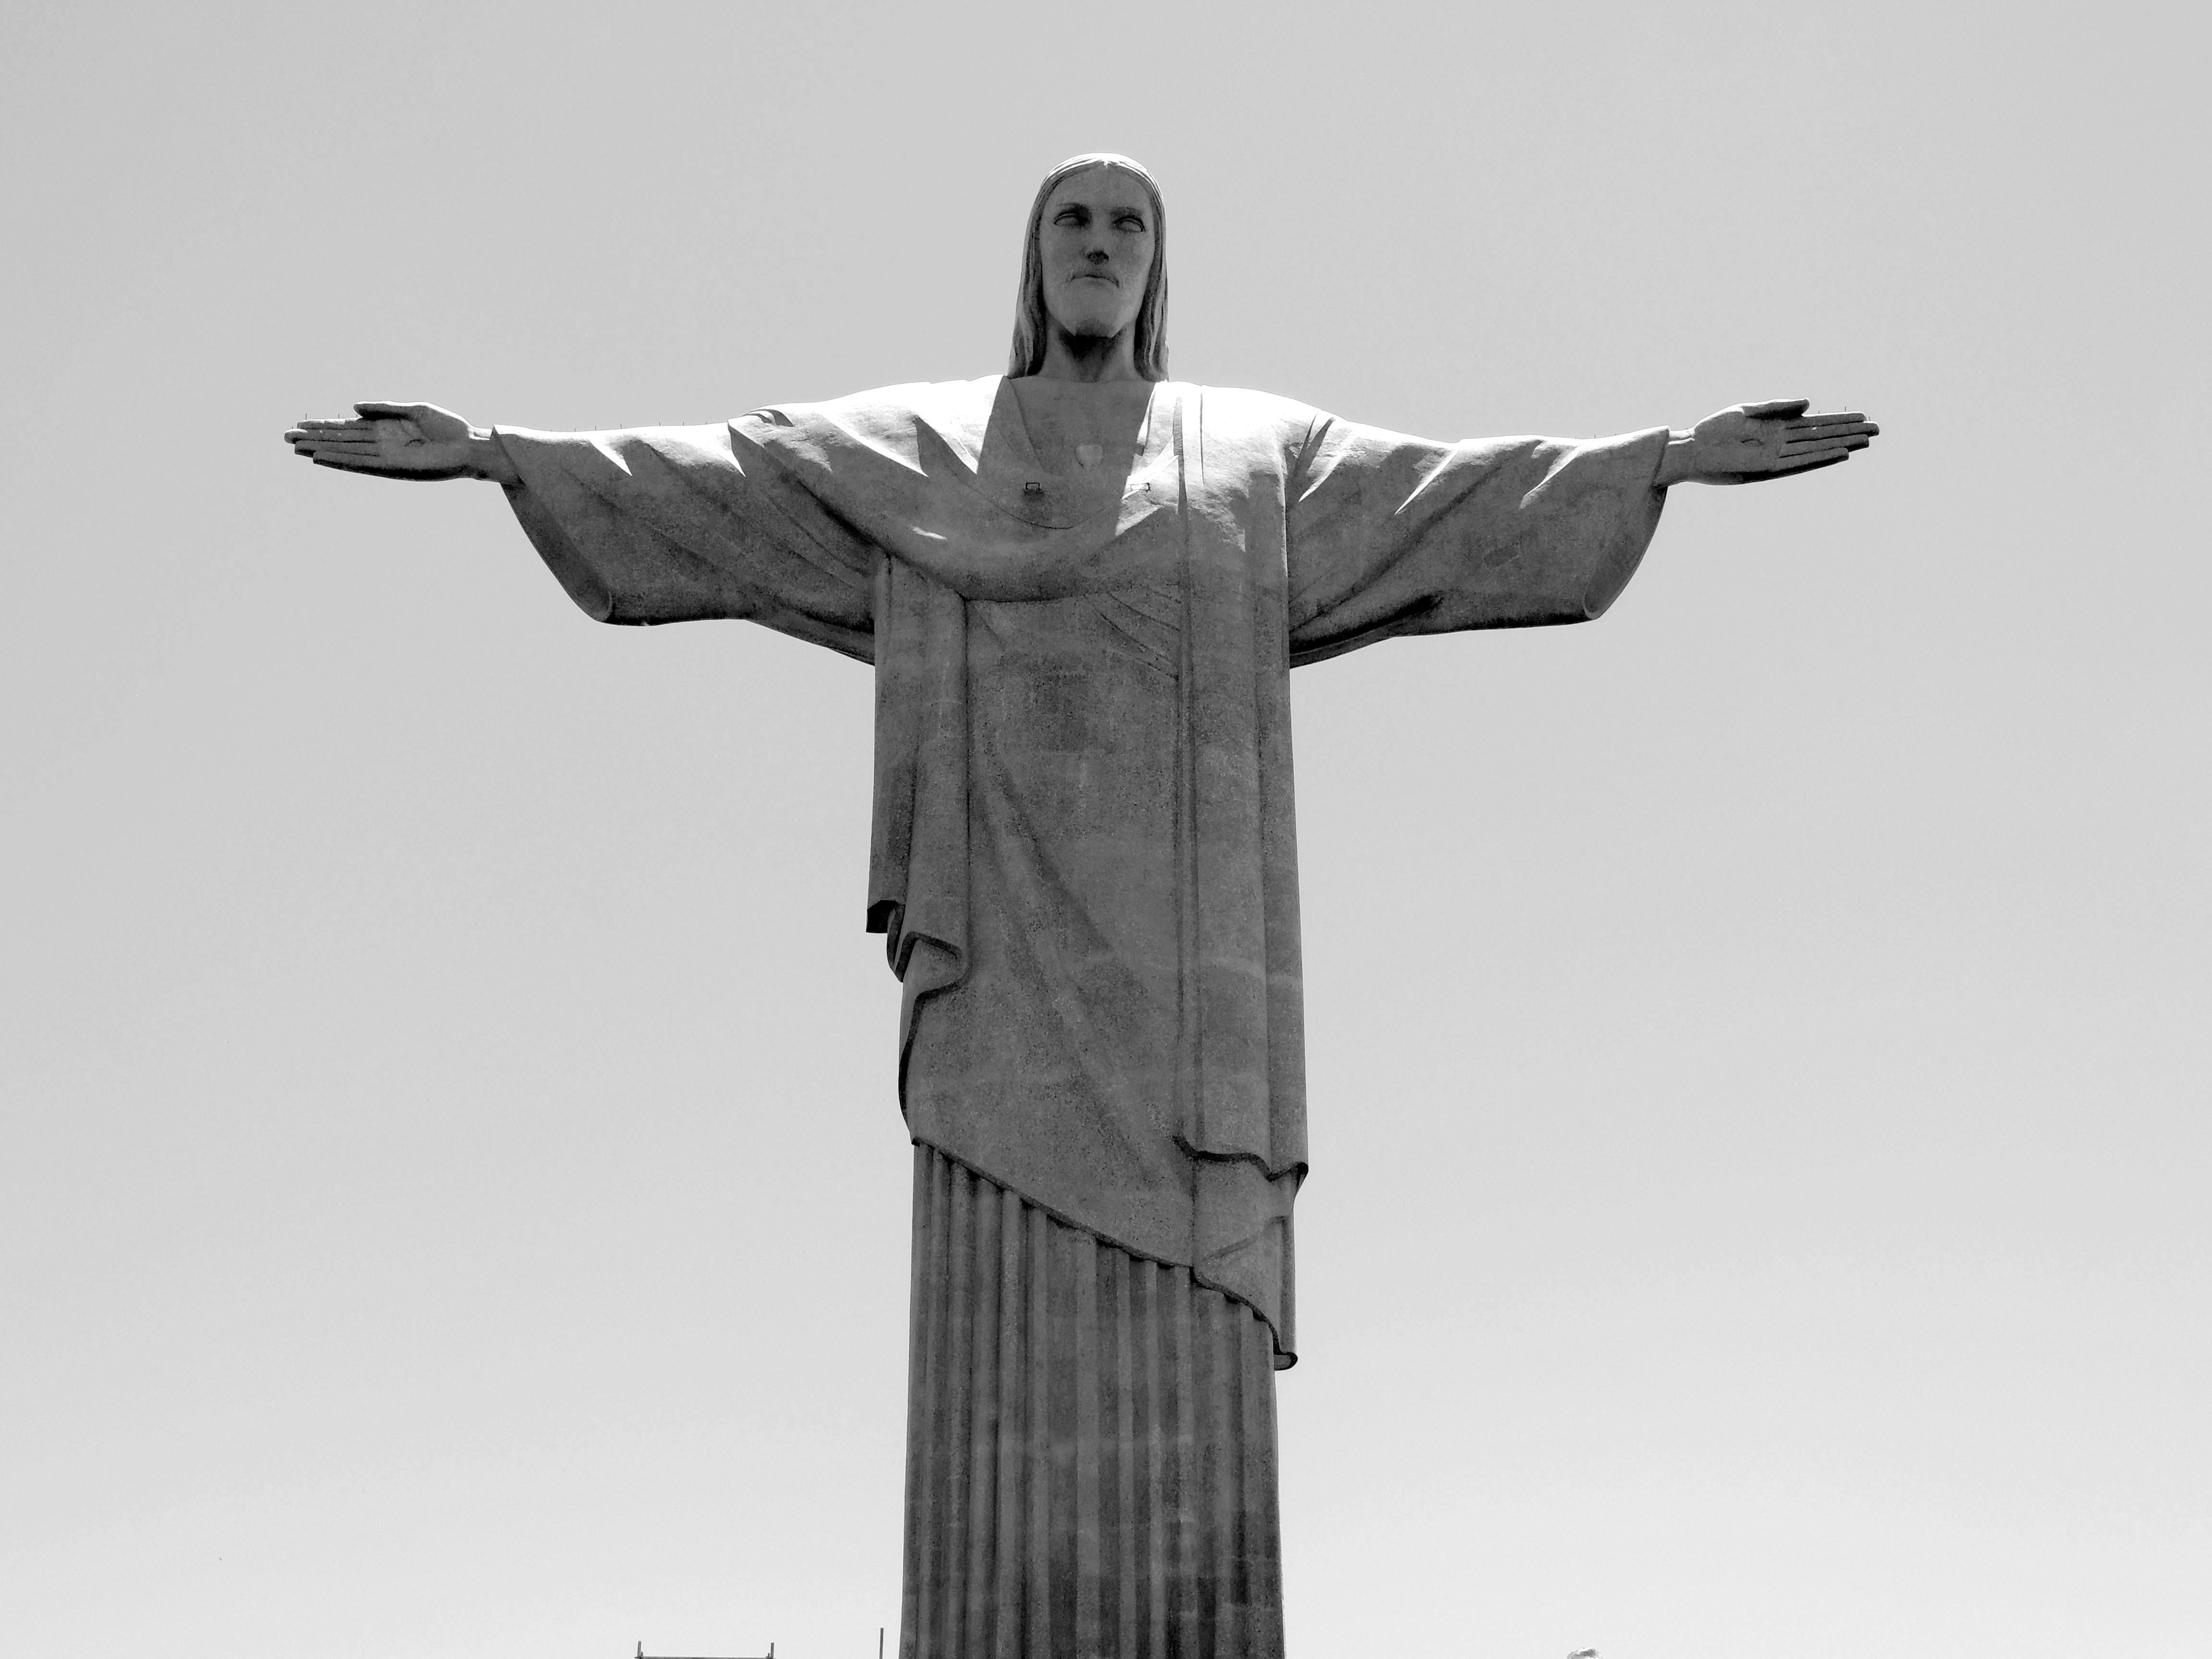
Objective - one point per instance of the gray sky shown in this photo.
(452, 1197)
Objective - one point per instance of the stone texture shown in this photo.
(1090, 1444)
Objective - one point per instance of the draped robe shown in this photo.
(1083, 858)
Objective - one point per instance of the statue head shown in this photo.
(1079, 263)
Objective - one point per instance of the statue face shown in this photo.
(1095, 247)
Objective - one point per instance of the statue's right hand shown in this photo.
(395, 440)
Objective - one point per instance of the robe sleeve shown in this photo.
(1389, 535)
(682, 524)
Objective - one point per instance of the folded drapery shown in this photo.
(1090, 1444)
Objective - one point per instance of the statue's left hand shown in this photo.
(1753, 442)
(418, 441)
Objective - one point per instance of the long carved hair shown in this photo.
(1031, 322)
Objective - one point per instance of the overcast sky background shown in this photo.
(452, 1197)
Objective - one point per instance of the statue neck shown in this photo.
(1089, 357)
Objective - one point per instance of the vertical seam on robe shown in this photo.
(1187, 1083)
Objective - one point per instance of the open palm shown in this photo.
(420, 441)
(1752, 442)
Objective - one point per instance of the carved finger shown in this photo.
(1791, 452)
(392, 411)
(1813, 421)
(1781, 409)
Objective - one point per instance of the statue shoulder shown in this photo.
(1261, 417)
(921, 428)
(880, 409)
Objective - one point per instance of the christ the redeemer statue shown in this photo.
(1083, 587)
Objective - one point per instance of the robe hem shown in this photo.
(1284, 1357)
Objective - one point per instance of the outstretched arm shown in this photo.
(654, 526)
(417, 442)
(1753, 442)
